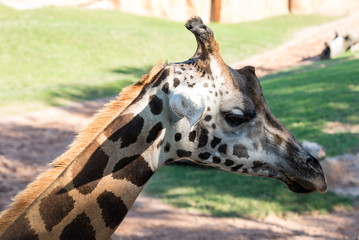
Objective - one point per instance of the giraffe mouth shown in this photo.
(301, 187)
(297, 185)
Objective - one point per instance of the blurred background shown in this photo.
(60, 61)
(223, 11)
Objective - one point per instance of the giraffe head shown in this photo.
(221, 119)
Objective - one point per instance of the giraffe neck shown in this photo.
(94, 193)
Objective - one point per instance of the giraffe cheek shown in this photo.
(204, 155)
(203, 138)
(240, 151)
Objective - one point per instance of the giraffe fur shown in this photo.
(200, 109)
(98, 122)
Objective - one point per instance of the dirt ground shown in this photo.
(29, 141)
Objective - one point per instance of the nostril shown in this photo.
(309, 160)
(314, 163)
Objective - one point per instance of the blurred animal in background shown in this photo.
(339, 45)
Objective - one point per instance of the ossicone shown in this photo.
(204, 36)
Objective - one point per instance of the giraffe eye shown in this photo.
(234, 120)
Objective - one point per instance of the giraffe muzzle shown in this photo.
(312, 178)
(298, 185)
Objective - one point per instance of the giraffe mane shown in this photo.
(101, 119)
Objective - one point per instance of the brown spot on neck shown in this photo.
(80, 229)
(154, 132)
(113, 209)
(129, 132)
(134, 169)
(156, 104)
(87, 172)
(20, 229)
(55, 207)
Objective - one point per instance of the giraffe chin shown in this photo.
(304, 187)
(300, 185)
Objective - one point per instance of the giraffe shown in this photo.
(200, 109)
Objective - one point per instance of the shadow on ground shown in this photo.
(132, 72)
(164, 224)
(25, 151)
(27, 143)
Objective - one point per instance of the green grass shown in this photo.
(304, 99)
(52, 56)
(307, 98)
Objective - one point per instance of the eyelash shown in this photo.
(234, 120)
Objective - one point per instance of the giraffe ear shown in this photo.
(189, 106)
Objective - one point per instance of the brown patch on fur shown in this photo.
(100, 120)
